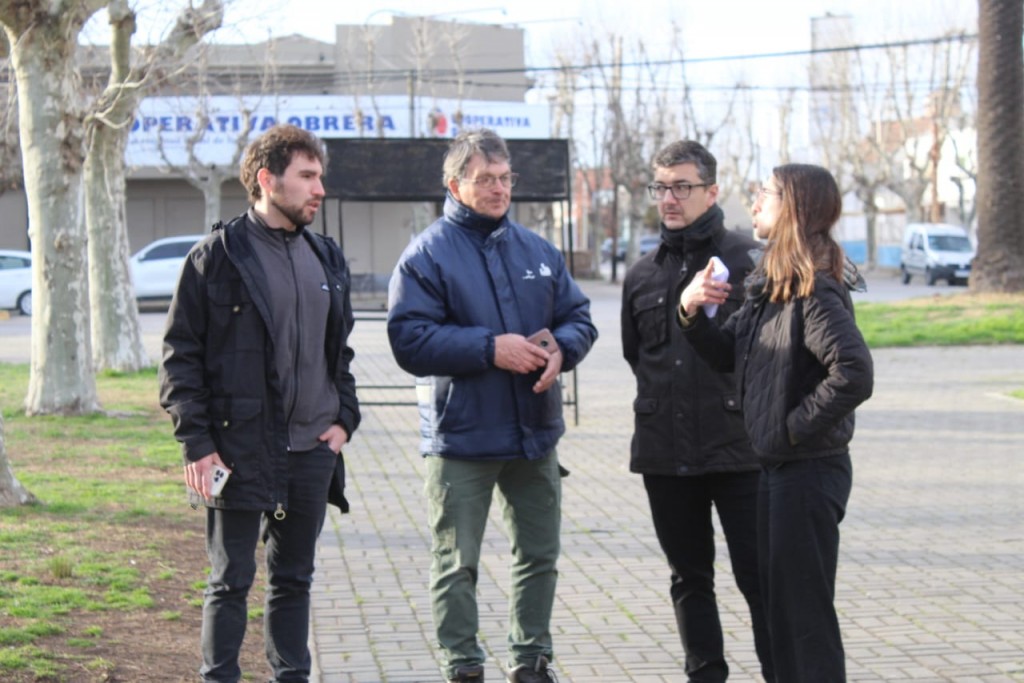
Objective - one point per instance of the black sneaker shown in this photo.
(538, 673)
(468, 673)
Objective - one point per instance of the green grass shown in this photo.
(101, 542)
(107, 485)
(943, 321)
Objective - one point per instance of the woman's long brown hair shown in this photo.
(801, 242)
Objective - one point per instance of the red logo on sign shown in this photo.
(438, 122)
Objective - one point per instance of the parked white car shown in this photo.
(155, 267)
(16, 280)
(938, 252)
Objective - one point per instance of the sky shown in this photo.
(707, 30)
(710, 28)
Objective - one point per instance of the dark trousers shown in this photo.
(681, 509)
(801, 505)
(231, 538)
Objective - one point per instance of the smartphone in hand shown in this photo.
(544, 339)
(218, 478)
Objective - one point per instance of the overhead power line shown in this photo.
(865, 47)
(447, 76)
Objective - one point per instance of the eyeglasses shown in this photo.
(681, 191)
(761, 192)
(487, 181)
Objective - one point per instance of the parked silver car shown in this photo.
(16, 280)
(606, 249)
(648, 243)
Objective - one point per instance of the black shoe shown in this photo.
(538, 673)
(468, 673)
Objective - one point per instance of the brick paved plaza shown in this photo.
(931, 575)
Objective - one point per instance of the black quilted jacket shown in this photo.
(802, 367)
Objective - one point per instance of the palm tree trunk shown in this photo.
(999, 266)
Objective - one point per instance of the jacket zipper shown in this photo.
(279, 513)
(298, 334)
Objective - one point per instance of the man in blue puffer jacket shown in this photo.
(464, 297)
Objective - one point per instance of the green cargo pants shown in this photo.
(458, 500)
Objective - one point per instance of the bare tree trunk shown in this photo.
(911, 190)
(866, 194)
(999, 265)
(210, 185)
(211, 189)
(116, 331)
(12, 493)
(10, 151)
(43, 36)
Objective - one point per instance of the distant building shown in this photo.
(373, 81)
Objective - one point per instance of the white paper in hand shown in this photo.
(719, 274)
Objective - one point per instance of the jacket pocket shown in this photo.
(644, 405)
(651, 316)
(236, 431)
(448, 400)
(340, 284)
(234, 319)
(229, 293)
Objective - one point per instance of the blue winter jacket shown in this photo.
(464, 280)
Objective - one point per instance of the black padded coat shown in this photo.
(801, 366)
(687, 417)
(217, 376)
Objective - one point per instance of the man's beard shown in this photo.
(292, 213)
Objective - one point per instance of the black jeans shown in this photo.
(231, 538)
(681, 509)
(801, 504)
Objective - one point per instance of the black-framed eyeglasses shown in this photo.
(487, 181)
(681, 191)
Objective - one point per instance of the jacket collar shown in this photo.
(236, 237)
(461, 215)
(693, 236)
(255, 220)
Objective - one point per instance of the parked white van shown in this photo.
(936, 251)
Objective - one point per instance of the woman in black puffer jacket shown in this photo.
(802, 367)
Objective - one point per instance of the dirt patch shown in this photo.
(159, 644)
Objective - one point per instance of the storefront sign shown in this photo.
(171, 131)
